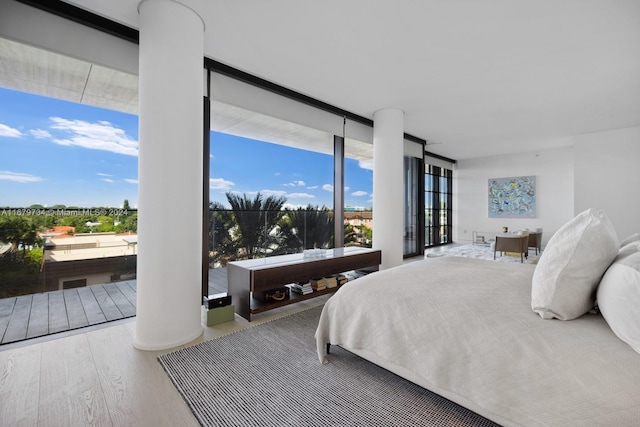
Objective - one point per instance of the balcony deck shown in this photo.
(36, 315)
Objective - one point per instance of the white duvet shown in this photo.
(464, 329)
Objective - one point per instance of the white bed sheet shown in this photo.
(464, 329)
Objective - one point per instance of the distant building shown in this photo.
(58, 231)
(359, 218)
(88, 259)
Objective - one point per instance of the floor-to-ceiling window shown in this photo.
(68, 193)
(438, 205)
(271, 187)
(412, 206)
(358, 198)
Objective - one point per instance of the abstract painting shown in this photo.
(513, 197)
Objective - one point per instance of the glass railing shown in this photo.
(50, 249)
(43, 249)
(247, 234)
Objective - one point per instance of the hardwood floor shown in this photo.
(95, 377)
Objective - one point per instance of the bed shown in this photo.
(465, 329)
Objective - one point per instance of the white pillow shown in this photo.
(571, 266)
(628, 249)
(633, 238)
(619, 298)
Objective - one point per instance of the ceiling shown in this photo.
(474, 78)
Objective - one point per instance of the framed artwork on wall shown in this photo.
(513, 197)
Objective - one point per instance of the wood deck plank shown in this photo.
(75, 311)
(109, 309)
(39, 316)
(17, 327)
(58, 320)
(6, 308)
(128, 291)
(91, 306)
(217, 280)
(78, 307)
(123, 304)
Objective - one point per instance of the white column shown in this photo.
(170, 175)
(388, 185)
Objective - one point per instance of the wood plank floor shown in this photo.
(96, 377)
(37, 315)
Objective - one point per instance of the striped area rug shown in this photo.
(269, 375)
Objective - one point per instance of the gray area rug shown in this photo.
(269, 375)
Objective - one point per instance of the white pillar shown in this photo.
(388, 185)
(170, 175)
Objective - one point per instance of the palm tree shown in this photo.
(311, 226)
(255, 221)
(221, 245)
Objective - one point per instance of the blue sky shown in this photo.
(58, 152)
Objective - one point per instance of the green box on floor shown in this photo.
(218, 315)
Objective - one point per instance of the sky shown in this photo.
(54, 152)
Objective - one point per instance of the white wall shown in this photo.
(554, 172)
(607, 176)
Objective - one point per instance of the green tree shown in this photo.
(129, 223)
(222, 248)
(367, 233)
(19, 269)
(19, 231)
(255, 220)
(306, 228)
(125, 205)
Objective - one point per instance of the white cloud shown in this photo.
(95, 136)
(327, 187)
(301, 196)
(220, 184)
(9, 132)
(313, 187)
(295, 184)
(131, 181)
(110, 181)
(365, 165)
(19, 177)
(359, 193)
(268, 193)
(102, 174)
(40, 133)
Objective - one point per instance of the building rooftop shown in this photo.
(90, 245)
